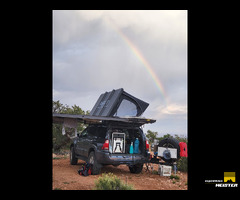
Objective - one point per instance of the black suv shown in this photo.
(109, 144)
(113, 135)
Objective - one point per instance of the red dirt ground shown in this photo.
(65, 177)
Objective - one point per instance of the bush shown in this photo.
(174, 177)
(111, 182)
(182, 164)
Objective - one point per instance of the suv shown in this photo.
(109, 144)
(113, 130)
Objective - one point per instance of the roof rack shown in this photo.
(89, 119)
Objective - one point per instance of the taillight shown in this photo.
(147, 146)
(106, 145)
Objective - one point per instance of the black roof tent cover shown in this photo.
(118, 103)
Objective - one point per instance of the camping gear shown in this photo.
(131, 148)
(118, 141)
(169, 150)
(136, 146)
(175, 167)
(164, 170)
(167, 153)
(86, 169)
(118, 103)
(183, 149)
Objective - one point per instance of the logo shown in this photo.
(229, 177)
(229, 180)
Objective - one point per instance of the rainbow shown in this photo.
(143, 60)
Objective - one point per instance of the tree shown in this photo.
(164, 136)
(151, 136)
(62, 141)
(57, 107)
(181, 138)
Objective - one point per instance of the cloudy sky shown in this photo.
(144, 52)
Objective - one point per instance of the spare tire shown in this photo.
(170, 143)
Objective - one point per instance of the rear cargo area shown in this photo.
(120, 141)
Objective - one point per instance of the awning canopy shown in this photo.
(72, 120)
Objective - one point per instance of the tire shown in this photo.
(136, 169)
(73, 159)
(171, 143)
(96, 169)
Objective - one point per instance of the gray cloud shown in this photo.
(90, 57)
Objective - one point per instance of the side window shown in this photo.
(84, 133)
(89, 131)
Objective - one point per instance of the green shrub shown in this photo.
(174, 177)
(111, 182)
(182, 164)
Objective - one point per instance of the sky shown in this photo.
(142, 51)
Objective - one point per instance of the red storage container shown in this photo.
(183, 149)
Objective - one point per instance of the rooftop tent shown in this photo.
(118, 103)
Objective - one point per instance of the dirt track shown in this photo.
(65, 177)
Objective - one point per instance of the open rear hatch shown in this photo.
(121, 139)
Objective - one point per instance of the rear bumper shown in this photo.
(117, 159)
